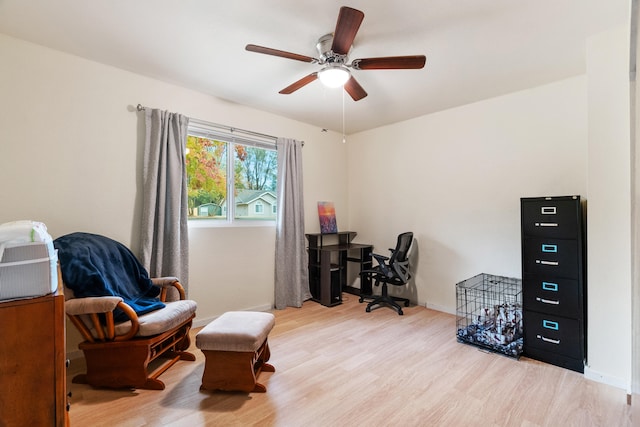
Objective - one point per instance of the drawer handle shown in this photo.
(548, 210)
(549, 248)
(548, 301)
(549, 340)
(548, 286)
(549, 324)
(546, 224)
(543, 262)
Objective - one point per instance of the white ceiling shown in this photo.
(475, 49)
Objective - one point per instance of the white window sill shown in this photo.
(217, 223)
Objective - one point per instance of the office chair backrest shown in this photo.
(402, 248)
(399, 258)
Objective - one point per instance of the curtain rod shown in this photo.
(141, 107)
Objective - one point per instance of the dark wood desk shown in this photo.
(328, 266)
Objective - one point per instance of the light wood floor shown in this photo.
(341, 366)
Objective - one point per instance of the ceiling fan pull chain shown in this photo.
(344, 138)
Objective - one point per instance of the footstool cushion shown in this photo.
(236, 331)
(236, 350)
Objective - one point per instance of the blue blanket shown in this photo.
(94, 265)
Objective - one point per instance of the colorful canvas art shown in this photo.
(327, 215)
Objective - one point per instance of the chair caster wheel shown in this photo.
(361, 300)
(406, 304)
(400, 312)
(368, 309)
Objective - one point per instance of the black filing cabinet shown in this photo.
(554, 280)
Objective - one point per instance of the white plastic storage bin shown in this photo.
(28, 270)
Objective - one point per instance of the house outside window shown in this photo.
(212, 157)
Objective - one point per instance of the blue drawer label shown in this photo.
(550, 248)
(550, 325)
(548, 286)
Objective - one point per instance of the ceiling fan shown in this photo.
(333, 52)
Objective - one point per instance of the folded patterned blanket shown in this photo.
(94, 265)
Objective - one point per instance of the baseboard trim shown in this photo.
(75, 354)
(438, 308)
(597, 376)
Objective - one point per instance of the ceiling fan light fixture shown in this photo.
(334, 76)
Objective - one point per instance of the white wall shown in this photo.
(70, 156)
(609, 209)
(455, 179)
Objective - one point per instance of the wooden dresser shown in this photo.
(33, 362)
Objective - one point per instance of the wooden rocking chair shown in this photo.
(118, 353)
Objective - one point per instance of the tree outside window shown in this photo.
(252, 193)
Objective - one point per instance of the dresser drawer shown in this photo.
(556, 296)
(555, 218)
(550, 257)
(552, 333)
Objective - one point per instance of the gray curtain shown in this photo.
(291, 272)
(164, 234)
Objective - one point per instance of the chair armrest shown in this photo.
(84, 314)
(89, 305)
(164, 281)
(382, 265)
(167, 283)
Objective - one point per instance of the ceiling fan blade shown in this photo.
(390, 63)
(276, 52)
(354, 89)
(349, 21)
(300, 83)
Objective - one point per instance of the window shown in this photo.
(214, 155)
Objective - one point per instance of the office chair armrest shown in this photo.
(380, 258)
(382, 265)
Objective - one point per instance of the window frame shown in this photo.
(231, 137)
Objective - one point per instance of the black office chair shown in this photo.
(391, 271)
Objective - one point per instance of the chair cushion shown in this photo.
(241, 331)
(173, 314)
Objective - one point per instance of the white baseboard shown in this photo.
(594, 375)
(75, 354)
(438, 308)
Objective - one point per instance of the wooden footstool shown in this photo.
(236, 351)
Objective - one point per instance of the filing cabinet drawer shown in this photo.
(550, 295)
(553, 334)
(554, 218)
(550, 257)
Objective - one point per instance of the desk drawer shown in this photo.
(552, 333)
(556, 296)
(550, 257)
(551, 218)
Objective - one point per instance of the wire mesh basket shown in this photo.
(489, 313)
